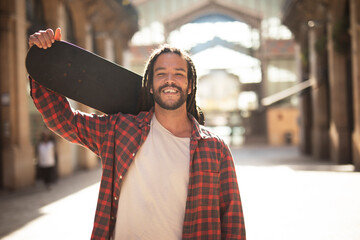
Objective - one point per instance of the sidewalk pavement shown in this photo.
(64, 212)
(285, 197)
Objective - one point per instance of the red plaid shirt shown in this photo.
(213, 206)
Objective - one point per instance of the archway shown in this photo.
(228, 62)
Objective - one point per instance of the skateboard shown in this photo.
(85, 77)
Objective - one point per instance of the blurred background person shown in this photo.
(46, 156)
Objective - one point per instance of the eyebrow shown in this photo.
(162, 68)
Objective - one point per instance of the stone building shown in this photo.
(103, 26)
(328, 35)
(230, 95)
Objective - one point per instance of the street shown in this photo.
(285, 197)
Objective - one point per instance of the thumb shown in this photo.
(58, 34)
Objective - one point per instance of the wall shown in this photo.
(283, 127)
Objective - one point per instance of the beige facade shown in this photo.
(282, 126)
(328, 36)
(104, 27)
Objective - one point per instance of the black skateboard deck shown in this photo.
(85, 77)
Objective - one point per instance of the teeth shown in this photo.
(169, 91)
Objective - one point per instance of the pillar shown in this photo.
(53, 14)
(17, 151)
(320, 113)
(355, 50)
(305, 108)
(341, 114)
(119, 47)
(100, 39)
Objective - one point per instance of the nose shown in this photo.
(170, 78)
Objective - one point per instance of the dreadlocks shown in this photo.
(146, 98)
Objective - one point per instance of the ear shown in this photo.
(151, 90)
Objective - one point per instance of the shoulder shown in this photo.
(208, 135)
(130, 119)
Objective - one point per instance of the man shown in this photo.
(164, 175)
(46, 159)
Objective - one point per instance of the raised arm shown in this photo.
(76, 127)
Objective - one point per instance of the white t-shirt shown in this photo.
(46, 154)
(153, 194)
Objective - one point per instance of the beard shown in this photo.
(173, 105)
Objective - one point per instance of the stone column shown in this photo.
(340, 129)
(320, 113)
(304, 100)
(355, 50)
(17, 151)
(119, 50)
(53, 14)
(100, 38)
(110, 53)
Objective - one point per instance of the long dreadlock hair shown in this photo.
(146, 98)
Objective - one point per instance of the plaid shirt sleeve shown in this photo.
(231, 214)
(74, 126)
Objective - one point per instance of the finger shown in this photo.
(40, 37)
(58, 34)
(45, 39)
(50, 33)
(33, 40)
(48, 38)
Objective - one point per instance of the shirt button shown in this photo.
(120, 177)
(115, 198)
(112, 218)
(133, 154)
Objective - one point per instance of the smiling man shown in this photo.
(165, 176)
(170, 80)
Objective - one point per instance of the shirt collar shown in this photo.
(196, 132)
(144, 118)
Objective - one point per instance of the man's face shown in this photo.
(170, 83)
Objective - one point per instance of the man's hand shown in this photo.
(44, 39)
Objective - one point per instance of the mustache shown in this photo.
(170, 85)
